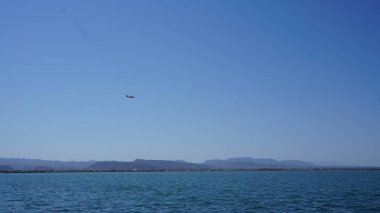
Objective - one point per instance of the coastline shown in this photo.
(199, 170)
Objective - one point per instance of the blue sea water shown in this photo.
(264, 191)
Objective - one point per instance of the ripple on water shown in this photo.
(332, 191)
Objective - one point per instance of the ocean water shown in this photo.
(264, 191)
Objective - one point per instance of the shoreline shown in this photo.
(199, 170)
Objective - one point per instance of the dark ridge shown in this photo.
(42, 168)
(242, 163)
(140, 164)
(4, 168)
(30, 164)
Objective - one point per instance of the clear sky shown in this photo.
(213, 79)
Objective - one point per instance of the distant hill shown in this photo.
(42, 168)
(35, 164)
(140, 164)
(16, 164)
(251, 163)
(5, 168)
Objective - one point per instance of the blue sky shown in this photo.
(213, 79)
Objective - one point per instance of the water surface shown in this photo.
(276, 191)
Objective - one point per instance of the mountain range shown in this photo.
(251, 163)
(37, 164)
(22, 164)
(140, 164)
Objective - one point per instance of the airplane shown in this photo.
(130, 96)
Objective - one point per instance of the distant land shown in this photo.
(35, 164)
(240, 163)
(251, 163)
(140, 164)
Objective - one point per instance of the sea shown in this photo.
(246, 191)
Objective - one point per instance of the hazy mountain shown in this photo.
(332, 164)
(32, 164)
(251, 163)
(5, 168)
(140, 164)
(42, 168)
